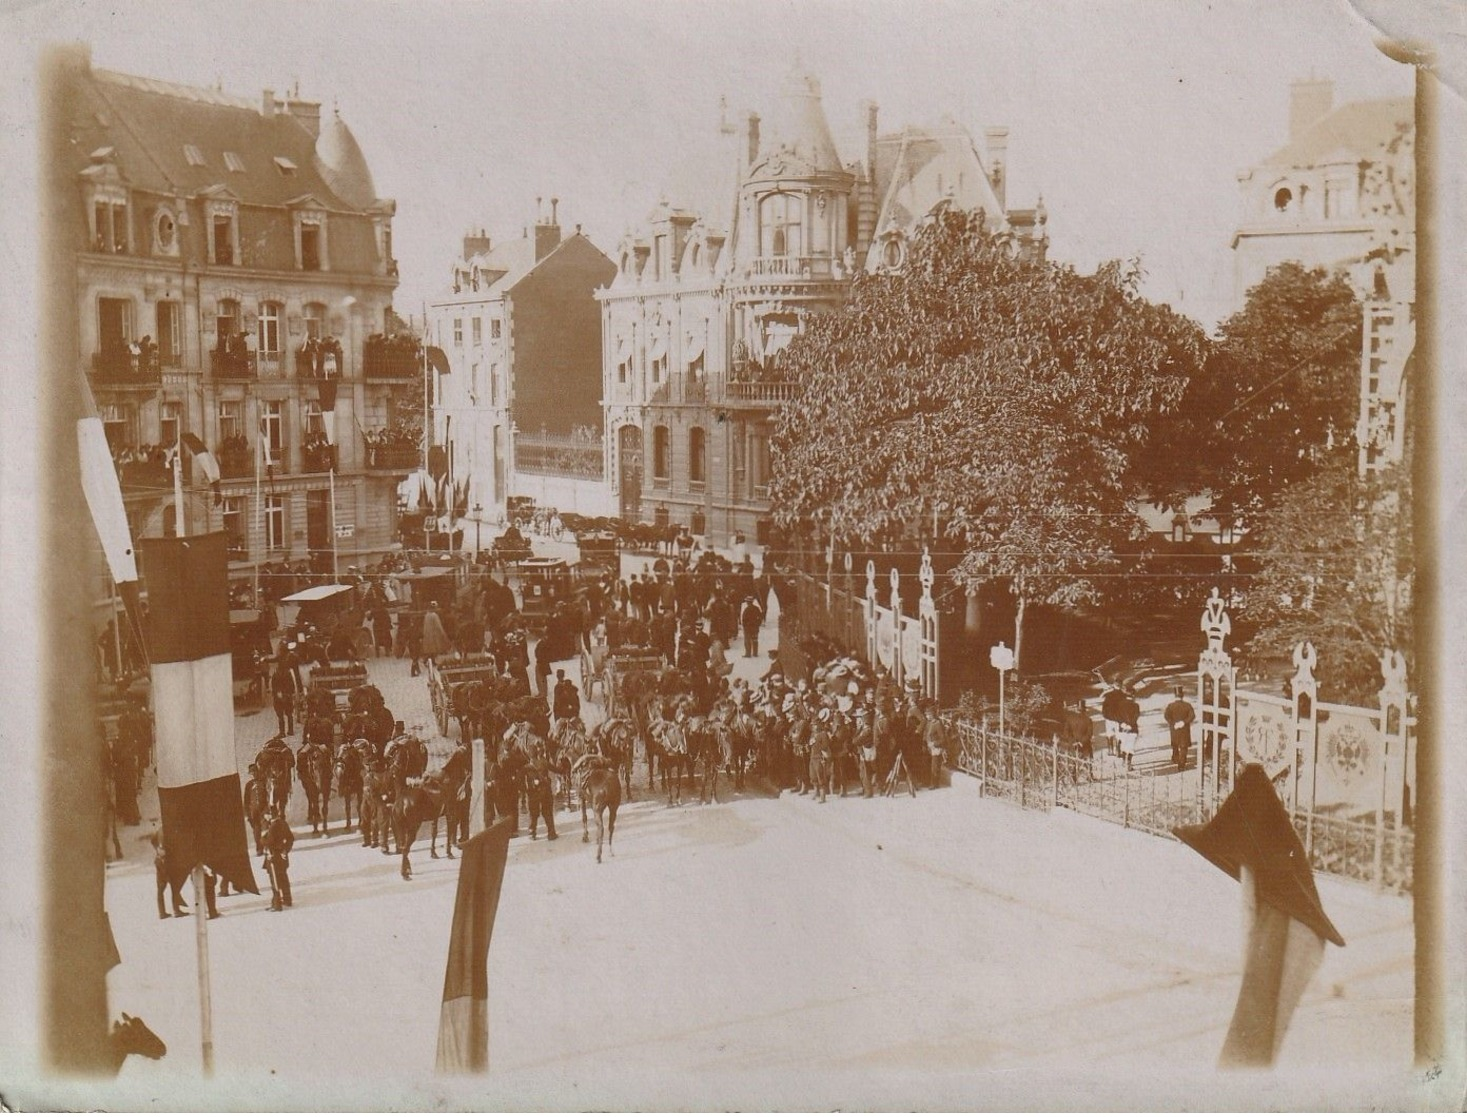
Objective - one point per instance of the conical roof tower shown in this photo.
(342, 165)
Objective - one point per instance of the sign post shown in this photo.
(1001, 656)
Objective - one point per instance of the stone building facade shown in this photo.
(232, 256)
(1341, 194)
(522, 332)
(704, 299)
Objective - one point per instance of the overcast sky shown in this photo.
(1131, 118)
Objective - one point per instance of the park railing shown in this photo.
(1038, 775)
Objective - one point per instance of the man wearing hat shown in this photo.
(750, 618)
(1179, 718)
(820, 753)
(279, 840)
(863, 734)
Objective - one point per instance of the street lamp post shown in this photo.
(1002, 658)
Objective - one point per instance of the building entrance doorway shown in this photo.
(629, 471)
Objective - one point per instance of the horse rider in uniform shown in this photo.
(279, 840)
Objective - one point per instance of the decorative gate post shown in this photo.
(896, 629)
(848, 619)
(1216, 676)
(1393, 718)
(1305, 691)
(927, 612)
(870, 607)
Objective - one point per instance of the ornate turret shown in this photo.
(342, 164)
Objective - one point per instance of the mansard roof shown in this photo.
(171, 139)
(1364, 129)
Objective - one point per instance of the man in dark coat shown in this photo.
(279, 841)
(750, 618)
(567, 698)
(282, 690)
(1179, 718)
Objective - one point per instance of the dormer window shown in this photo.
(310, 240)
(234, 162)
(109, 223)
(193, 156)
(223, 230)
(285, 166)
(1283, 198)
(781, 225)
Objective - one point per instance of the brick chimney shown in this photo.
(267, 105)
(751, 133)
(547, 233)
(1309, 103)
(997, 141)
(476, 244)
(307, 112)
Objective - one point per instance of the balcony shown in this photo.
(233, 363)
(143, 470)
(127, 368)
(235, 458)
(791, 267)
(395, 459)
(392, 357)
(319, 359)
(317, 455)
(761, 393)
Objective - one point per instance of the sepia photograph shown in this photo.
(778, 555)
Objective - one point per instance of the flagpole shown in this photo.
(259, 514)
(201, 926)
(334, 574)
(427, 417)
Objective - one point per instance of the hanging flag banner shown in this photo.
(193, 707)
(1251, 839)
(104, 499)
(327, 399)
(463, 1022)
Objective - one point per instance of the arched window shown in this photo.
(698, 455)
(781, 225)
(661, 454)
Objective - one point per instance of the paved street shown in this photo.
(941, 946)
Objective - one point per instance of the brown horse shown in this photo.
(348, 776)
(420, 801)
(315, 766)
(601, 790)
(130, 1036)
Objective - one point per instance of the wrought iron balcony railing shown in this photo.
(791, 267)
(122, 366)
(397, 458)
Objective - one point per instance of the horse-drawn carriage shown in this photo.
(323, 608)
(446, 678)
(336, 682)
(250, 651)
(620, 666)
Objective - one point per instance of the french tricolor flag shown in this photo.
(193, 707)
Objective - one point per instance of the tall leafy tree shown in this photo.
(1005, 397)
(1333, 564)
(1280, 391)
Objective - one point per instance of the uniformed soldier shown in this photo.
(820, 752)
(279, 840)
(254, 804)
(540, 791)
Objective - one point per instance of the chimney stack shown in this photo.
(871, 118)
(1309, 103)
(307, 112)
(267, 108)
(752, 131)
(997, 141)
(547, 233)
(476, 244)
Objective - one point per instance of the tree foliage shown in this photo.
(1006, 397)
(1279, 391)
(1334, 566)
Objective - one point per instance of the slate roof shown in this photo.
(919, 167)
(149, 122)
(1361, 128)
